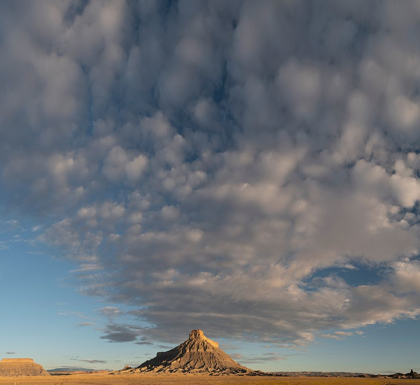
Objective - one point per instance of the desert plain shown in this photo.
(143, 379)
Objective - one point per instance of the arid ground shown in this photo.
(195, 379)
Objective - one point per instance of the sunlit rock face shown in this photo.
(19, 367)
(198, 335)
(198, 354)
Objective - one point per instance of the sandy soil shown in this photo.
(90, 379)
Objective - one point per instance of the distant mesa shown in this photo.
(67, 371)
(198, 354)
(19, 367)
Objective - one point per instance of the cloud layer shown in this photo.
(205, 160)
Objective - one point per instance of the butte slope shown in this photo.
(198, 354)
(18, 367)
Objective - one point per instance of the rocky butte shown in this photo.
(18, 367)
(198, 354)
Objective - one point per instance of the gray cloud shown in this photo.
(72, 314)
(110, 311)
(83, 324)
(337, 335)
(210, 167)
(252, 359)
(90, 361)
(121, 333)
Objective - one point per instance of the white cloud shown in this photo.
(135, 168)
(407, 276)
(193, 162)
(109, 311)
(87, 267)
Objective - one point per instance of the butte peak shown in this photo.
(198, 335)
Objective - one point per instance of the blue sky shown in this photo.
(247, 168)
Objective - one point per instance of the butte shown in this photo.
(19, 367)
(198, 354)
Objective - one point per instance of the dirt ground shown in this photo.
(89, 379)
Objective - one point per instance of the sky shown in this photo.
(249, 168)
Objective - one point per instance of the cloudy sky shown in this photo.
(247, 168)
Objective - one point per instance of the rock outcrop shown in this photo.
(198, 354)
(18, 367)
(412, 374)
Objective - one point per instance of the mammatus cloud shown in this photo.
(216, 157)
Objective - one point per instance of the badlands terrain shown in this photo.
(166, 379)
